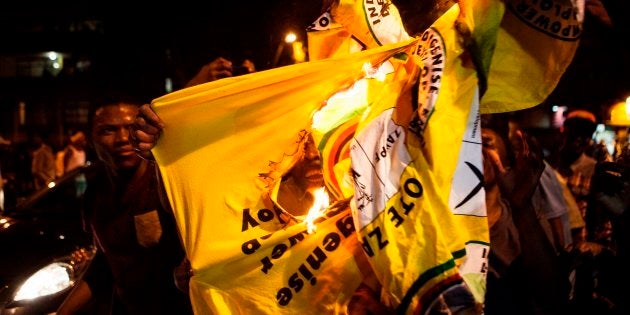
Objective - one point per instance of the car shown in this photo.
(45, 249)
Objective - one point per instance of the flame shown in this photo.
(320, 204)
(378, 72)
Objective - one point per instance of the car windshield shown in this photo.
(62, 198)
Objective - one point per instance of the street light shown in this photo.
(291, 39)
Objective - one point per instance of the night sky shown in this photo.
(143, 44)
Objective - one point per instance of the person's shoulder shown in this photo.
(589, 161)
(97, 173)
(584, 164)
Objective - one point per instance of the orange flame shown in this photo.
(320, 204)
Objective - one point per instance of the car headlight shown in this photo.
(48, 280)
(55, 277)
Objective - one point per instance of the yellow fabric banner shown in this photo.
(535, 45)
(521, 48)
(450, 144)
(224, 145)
(404, 141)
(327, 39)
(403, 160)
(373, 22)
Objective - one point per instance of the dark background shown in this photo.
(137, 46)
(140, 45)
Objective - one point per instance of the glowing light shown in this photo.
(290, 38)
(620, 114)
(320, 204)
(53, 56)
(379, 73)
(340, 106)
(346, 103)
(600, 128)
(298, 52)
(48, 280)
(168, 85)
(3, 221)
(51, 184)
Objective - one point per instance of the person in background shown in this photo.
(526, 274)
(59, 156)
(139, 246)
(42, 163)
(296, 192)
(622, 143)
(548, 199)
(220, 68)
(502, 286)
(74, 154)
(573, 161)
(559, 215)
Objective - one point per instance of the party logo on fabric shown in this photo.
(322, 22)
(379, 157)
(558, 19)
(431, 52)
(336, 148)
(376, 10)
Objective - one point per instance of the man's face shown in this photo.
(111, 135)
(494, 154)
(308, 171)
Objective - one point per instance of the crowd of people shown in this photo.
(33, 165)
(557, 222)
(558, 226)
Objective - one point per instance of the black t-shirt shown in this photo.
(137, 235)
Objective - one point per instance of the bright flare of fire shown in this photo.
(379, 72)
(320, 204)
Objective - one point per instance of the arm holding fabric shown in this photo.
(147, 130)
